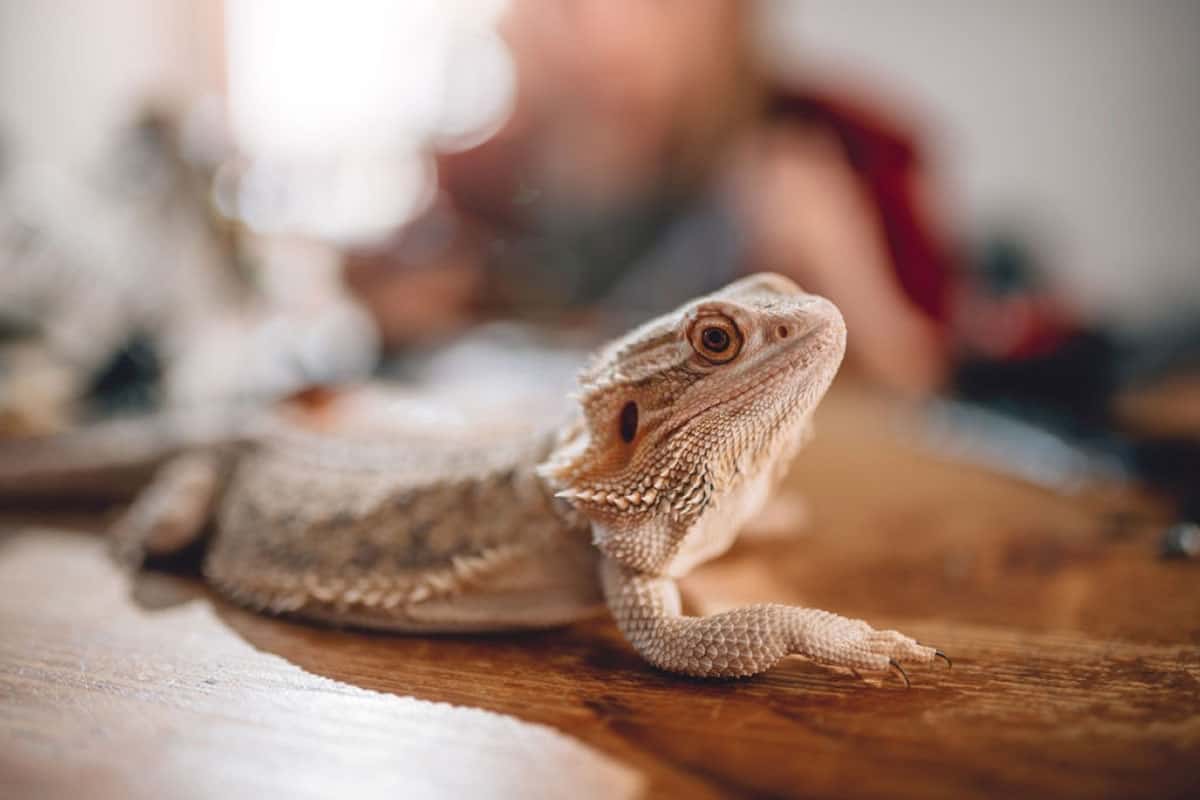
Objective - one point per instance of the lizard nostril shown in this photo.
(783, 331)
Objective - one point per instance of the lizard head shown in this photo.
(689, 420)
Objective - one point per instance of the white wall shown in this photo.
(72, 71)
(1078, 118)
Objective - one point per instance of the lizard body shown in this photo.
(428, 536)
(683, 428)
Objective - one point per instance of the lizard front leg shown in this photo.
(744, 641)
(172, 512)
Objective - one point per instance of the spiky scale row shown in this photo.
(282, 591)
(632, 501)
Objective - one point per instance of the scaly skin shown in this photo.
(715, 431)
(684, 426)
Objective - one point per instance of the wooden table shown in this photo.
(1076, 665)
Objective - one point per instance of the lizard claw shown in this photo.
(944, 657)
(894, 664)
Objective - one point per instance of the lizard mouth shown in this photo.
(795, 377)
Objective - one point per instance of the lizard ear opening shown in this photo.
(629, 421)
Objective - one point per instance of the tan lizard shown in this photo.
(683, 427)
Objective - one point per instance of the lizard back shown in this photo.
(406, 534)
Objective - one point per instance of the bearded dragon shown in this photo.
(681, 429)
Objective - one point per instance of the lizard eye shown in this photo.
(715, 338)
(629, 421)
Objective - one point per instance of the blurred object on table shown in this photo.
(102, 264)
(122, 291)
(1182, 541)
(1039, 390)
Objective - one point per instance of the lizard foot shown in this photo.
(838, 641)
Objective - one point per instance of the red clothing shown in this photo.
(889, 162)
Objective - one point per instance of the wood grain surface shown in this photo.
(1076, 664)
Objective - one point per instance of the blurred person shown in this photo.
(650, 157)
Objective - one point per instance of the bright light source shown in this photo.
(336, 104)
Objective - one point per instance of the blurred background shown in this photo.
(206, 201)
